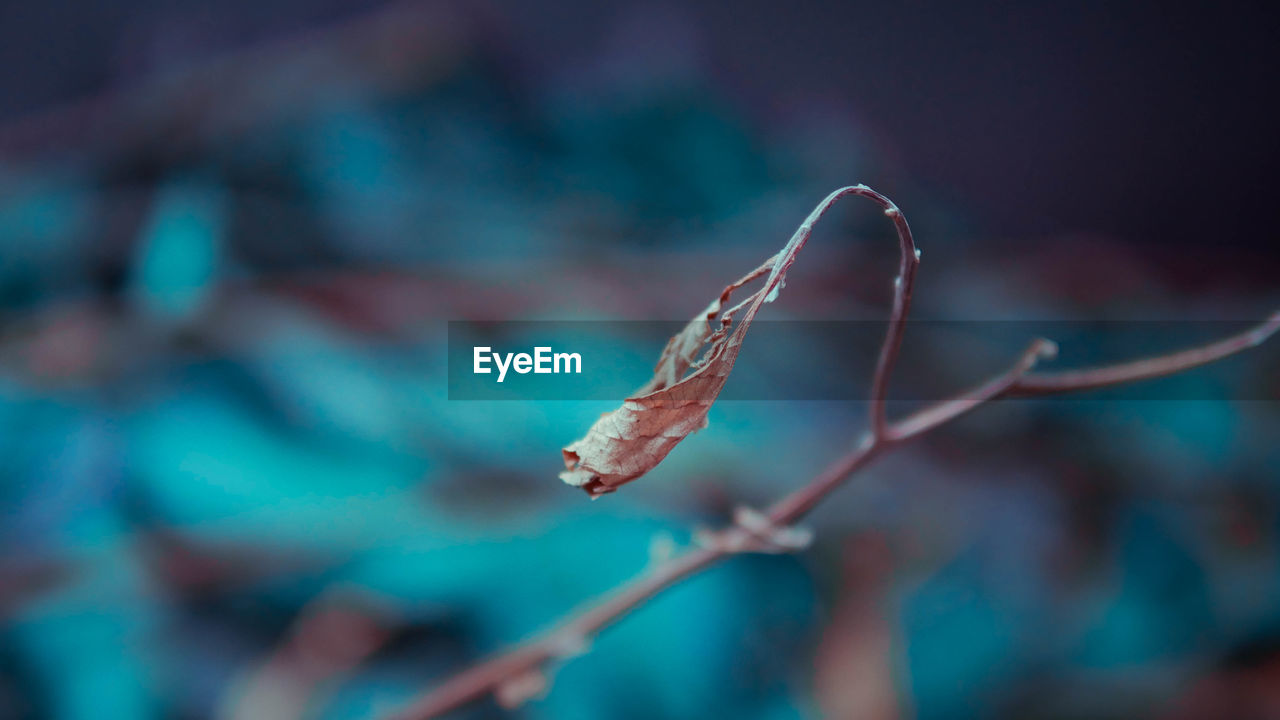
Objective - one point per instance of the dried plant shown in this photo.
(627, 443)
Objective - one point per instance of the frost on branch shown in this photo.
(630, 441)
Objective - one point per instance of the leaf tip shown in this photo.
(588, 481)
(576, 475)
(595, 488)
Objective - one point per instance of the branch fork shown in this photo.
(519, 674)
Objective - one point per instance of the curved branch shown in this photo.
(903, 284)
(517, 673)
(902, 287)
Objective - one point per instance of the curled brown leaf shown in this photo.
(628, 442)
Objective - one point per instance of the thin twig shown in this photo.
(902, 286)
(572, 634)
(903, 283)
(948, 410)
(1146, 368)
(794, 506)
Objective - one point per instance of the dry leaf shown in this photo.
(630, 441)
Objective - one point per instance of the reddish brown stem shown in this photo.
(948, 410)
(1146, 368)
(568, 638)
(909, 260)
(572, 634)
(564, 640)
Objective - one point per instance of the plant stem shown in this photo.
(572, 634)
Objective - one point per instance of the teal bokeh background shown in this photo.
(234, 484)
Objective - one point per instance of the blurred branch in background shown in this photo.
(185, 110)
(332, 635)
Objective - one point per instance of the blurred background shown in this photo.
(232, 234)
